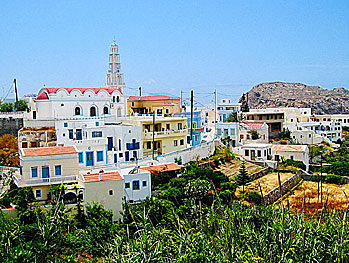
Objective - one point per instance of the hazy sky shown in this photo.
(168, 46)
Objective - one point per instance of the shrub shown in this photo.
(216, 162)
(252, 197)
(297, 164)
(222, 160)
(330, 179)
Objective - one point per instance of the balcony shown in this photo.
(164, 134)
(132, 146)
(45, 181)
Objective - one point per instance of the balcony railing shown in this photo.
(46, 181)
(132, 146)
(162, 134)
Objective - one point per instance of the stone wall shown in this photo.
(9, 125)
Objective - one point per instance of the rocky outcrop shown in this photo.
(281, 94)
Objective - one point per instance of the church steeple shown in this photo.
(115, 78)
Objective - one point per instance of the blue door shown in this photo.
(89, 159)
(45, 173)
(127, 156)
(115, 157)
(78, 134)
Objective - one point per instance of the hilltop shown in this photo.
(282, 94)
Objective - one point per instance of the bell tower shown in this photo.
(115, 78)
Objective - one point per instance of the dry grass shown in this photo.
(232, 168)
(267, 182)
(305, 198)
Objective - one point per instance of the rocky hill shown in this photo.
(281, 94)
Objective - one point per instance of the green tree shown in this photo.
(254, 134)
(233, 117)
(21, 105)
(286, 134)
(243, 177)
(6, 107)
(244, 103)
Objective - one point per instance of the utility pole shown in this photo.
(279, 179)
(215, 106)
(191, 116)
(140, 91)
(15, 82)
(181, 101)
(153, 134)
(321, 176)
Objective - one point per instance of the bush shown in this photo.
(216, 162)
(330, 179)
(222, 160)
(297, 164)
(252, 197)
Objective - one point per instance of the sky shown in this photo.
(168, 46)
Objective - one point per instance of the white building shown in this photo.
(231, 129)
(226, 107)
(343, 118)
(246, 129)
(255, 151)
(293, 152)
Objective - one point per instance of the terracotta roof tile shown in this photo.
(41, 151)
(162, 168)
(108, 176)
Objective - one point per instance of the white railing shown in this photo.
(46, 181)
(160, 134)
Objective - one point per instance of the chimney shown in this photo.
(100, 175)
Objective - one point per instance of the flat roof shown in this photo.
(162, 167)
(289, 148)
(256, 145)
(42, 151)
(106, 176)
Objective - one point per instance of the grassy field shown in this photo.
(267, 182)
(305, 198)
(232, 168)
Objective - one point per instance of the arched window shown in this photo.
(93, 111)
(77, 110)
(113, 98)
(105, 110)
(117, 99)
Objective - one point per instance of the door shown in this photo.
(115, 157)
(110, 143)
(45, 173)
(78, 134)
(89, 159)
(127, 156)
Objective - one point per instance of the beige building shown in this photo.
(160, 104)
(170, 134)
(46, 166)
(105, 188)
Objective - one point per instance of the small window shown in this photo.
(99, 156)
(65, 124)
(111, 192)
(34, 172)
(127, 185)
(81, 158)
(38, 193)
(77, 111)
(181, 142)
(118, 99)
(97, 123)
(135, 185)
(58, 170)
(291, 157)
(71, 134)
(175, 142)
(105, 110)
(62, 105)
(144, 183)
(96, 134)
(24, 144)
(148, 145)
(121, 155)
(246, 152)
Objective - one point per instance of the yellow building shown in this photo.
(45, 166)
(170, 134)
(161, 104)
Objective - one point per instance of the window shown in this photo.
(105, 110)
(120, 145)
(175, 142)
(113, 98)
(219, 132)
(180, 126)
(97, 123)
(38, 193)
(121, 155)
(93, 111)
(241, 136)
(259, 153)
(99, 156)
(65, 124)
(135, 185)
(291, 157)
(232, 131)
(45, 172)
(118, 99)
(96, 134)
(77, 110)
(148, 145)
(246, 152)
(127, 185)
(111, 192)
(34, 172)
(81, 158)
(277, 157)
(144, 183)
(34, 114)
(71, 134)
(24, 144)
(62, 105)
(166, 110)
(181, 142)
(58, 170)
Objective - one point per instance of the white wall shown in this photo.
(144, 190)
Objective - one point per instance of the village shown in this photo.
(107, 147)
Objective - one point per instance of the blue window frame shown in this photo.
(127, 185)
(97, 123)
(65, 124)
(97, 134)
(71, 134)
(89, 159)
(81, 158)
(34, 171)
(144, 183)
(79, 134)
(99, 156)
(45, 172)
(135, 185)
(58, 170)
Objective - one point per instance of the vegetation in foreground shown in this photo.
(194, 218)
